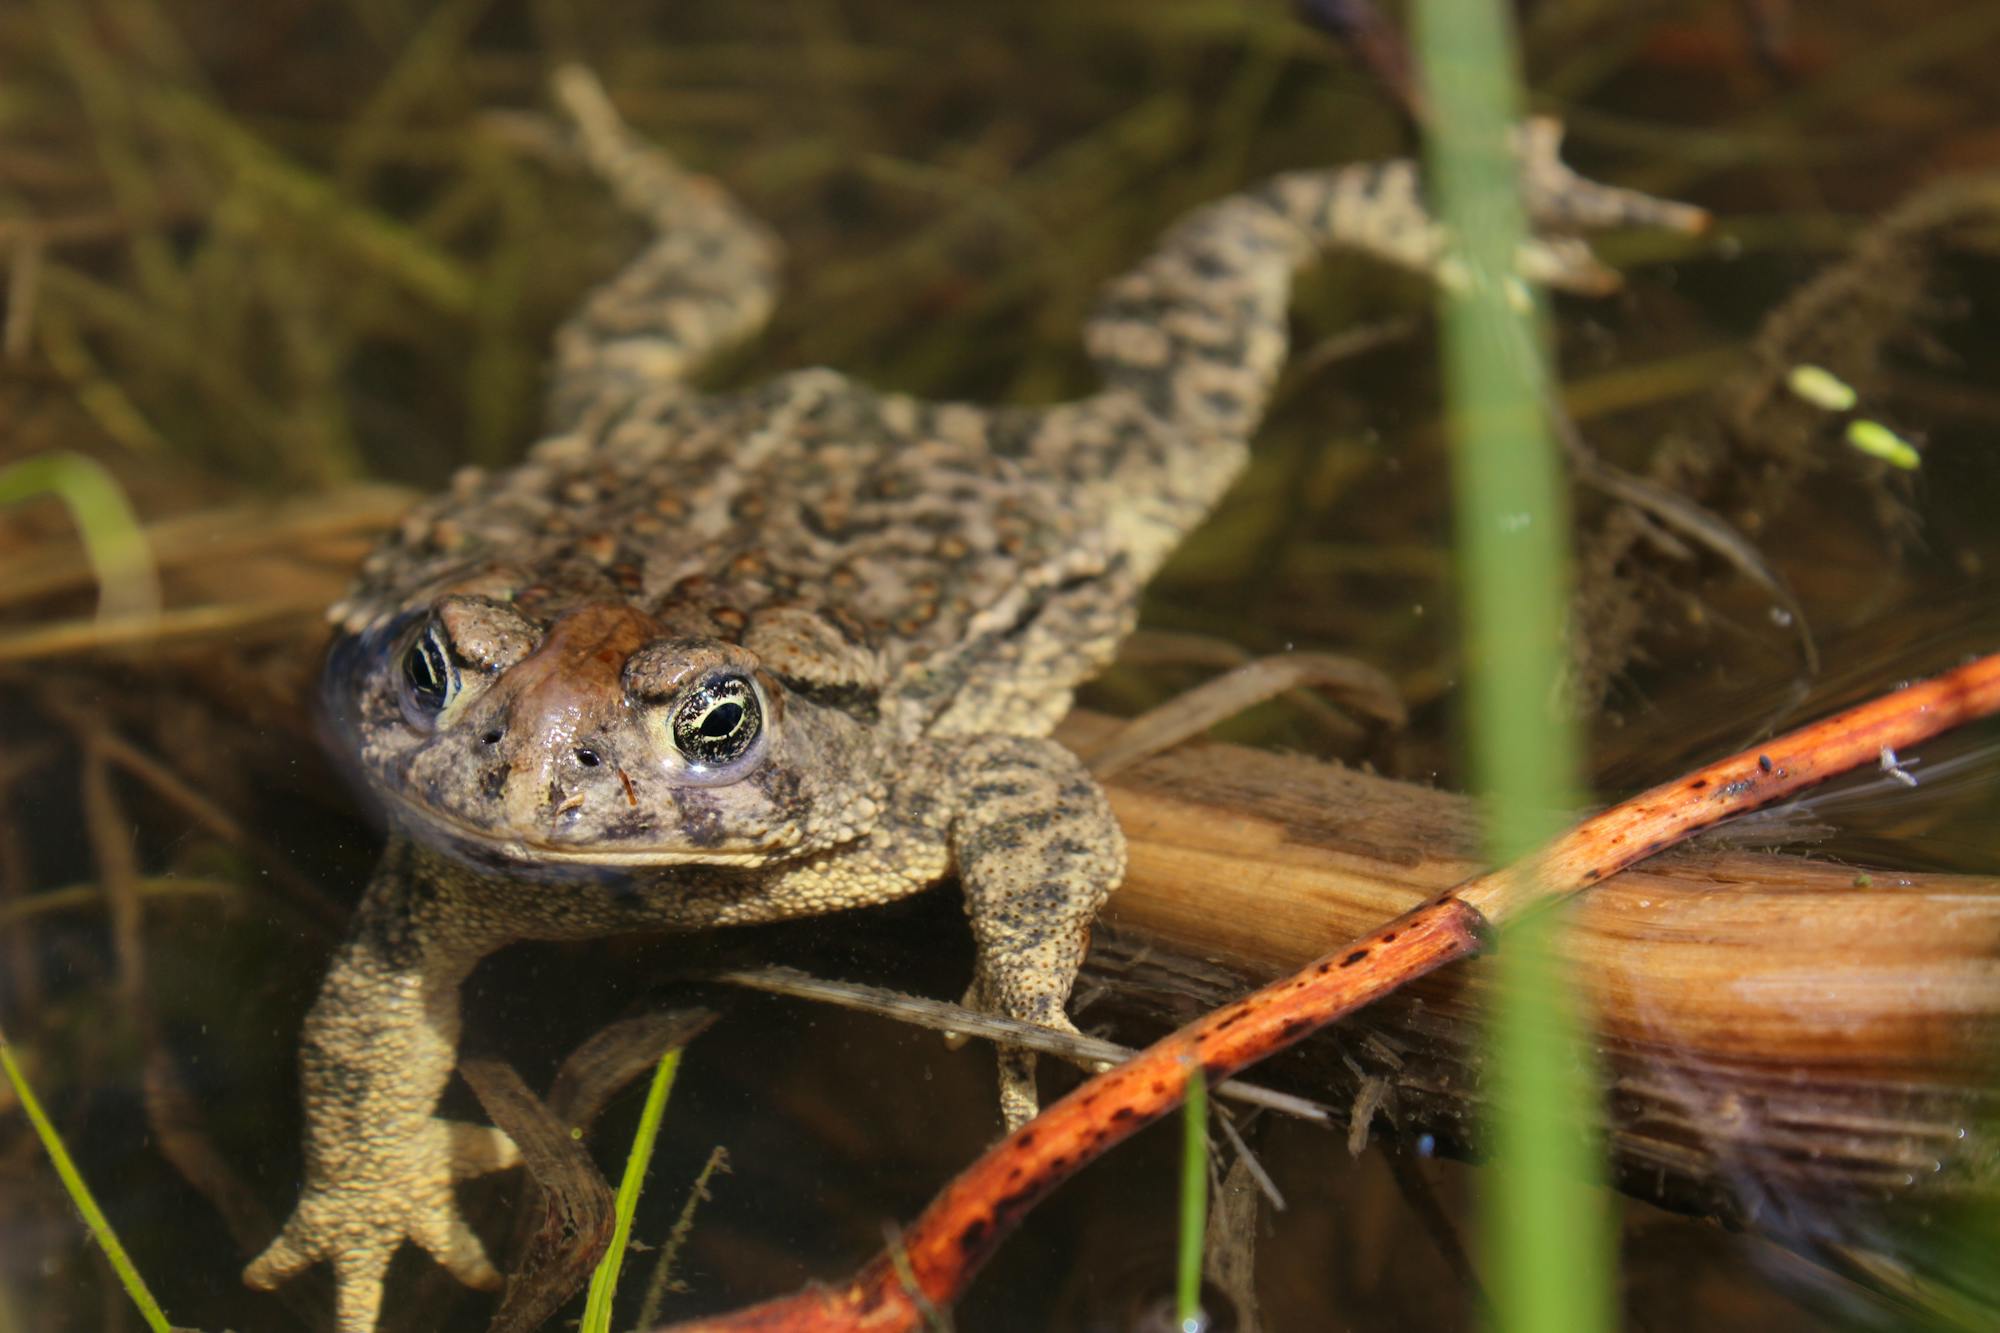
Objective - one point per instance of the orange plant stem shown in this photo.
(1634, 829)
(946, 1245)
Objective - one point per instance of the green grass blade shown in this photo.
(1546, 1245)
(79, 1194)
(1194, 1203)
(113, 540)
(603, 1282)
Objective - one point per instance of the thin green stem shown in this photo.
(1194, 1204)
(1544, 1239)
(603, 1282)
(80, 1195)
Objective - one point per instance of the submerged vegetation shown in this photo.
(267, 266)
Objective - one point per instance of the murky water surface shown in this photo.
(286, 250)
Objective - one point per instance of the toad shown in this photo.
(704, 659)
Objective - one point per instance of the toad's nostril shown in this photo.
(588, 758)
(491, 736)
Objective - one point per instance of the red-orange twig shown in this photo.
(947, 1244)
(1634, 829)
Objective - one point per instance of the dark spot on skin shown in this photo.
(1123, 1114)
(815, 521)
(1026, 1139)
(1764, 762)
(1294, 1027)
(1232, 1020)
(1697, 784)
(989, 841)
(1390, 938)
(861, 702)
(1354, 958)
(700, 816)
(1035, 822)
(781, 786)
(1592, 873)
(345, 1083)
(1222, 403)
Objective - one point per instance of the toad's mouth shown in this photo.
(439, 828)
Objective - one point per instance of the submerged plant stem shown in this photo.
(1194, 1203)
(80, 1195)
(604, 1282)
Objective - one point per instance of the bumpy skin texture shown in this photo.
(711, 659)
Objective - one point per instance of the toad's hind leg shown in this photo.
(709, 278)
(1038, 852)
(1190, 341)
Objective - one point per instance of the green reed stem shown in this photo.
(1545, 1242)
(604, 1282)
(80, 1195)
(1194, 1203)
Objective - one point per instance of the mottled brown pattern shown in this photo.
(711, 659)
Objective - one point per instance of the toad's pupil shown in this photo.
(721, 720)
(425, 671)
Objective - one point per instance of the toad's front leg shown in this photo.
(1038, 850)
(378, 1046)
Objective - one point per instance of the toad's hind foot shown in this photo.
(357, 1220)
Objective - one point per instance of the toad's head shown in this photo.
(597, 739)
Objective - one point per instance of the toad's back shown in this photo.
(900, 522)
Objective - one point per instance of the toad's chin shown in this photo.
(523, 856)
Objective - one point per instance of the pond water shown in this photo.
(268, 262)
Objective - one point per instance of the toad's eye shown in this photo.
(717, 721)
(430, 678)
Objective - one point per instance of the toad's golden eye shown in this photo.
(717, 721)
(430, 678)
